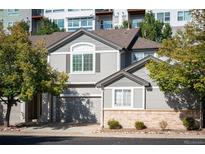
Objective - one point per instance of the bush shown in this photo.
(114, 124)
(163, 124)
(190, 123)
(139, 125)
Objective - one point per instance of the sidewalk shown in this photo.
(93, 131)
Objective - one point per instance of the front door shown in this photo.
(34, 108)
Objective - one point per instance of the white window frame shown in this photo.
(143, 52)
(85, 51)
(13, 12)
(164, 16)
(183, 16)
(122, 88)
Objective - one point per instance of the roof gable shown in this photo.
(118, 76)
(127, 72)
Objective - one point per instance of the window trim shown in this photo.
(82, 52)
(164, 16)
(123, 88)
(143, 52)
(183, 16)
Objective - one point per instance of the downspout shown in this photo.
(102, 108)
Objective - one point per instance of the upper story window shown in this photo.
(72, 10)
(122, 98)
(136, 56)
(48, 11)
(76, 23)
(135, 23)
(163, 16)
(183, 15)
(13, 11)
(59, 22)
(10, 24)
(83, 58)
(58, 10)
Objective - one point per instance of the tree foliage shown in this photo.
(47, 27)
(185, 65)
(24, 71)
(154, 29)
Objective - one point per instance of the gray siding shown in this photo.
(108, 98)
(84, 38)
(58, 62)
(155, 99)
(138, 99)
(82, 91)
(124, 82)
(108, 66)
(144, 74)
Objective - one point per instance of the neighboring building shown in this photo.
(11, 16)
(72, 19)
(177, 18)
(107, 80)
(37, 15)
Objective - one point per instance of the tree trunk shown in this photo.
(8, 112)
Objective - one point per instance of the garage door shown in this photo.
(78, 109)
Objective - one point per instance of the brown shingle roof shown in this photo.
(143, 43)
(120, 37)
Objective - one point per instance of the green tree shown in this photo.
(47, 27)
(154, 29)
(184, 68)
(24, 25)
(24, 70)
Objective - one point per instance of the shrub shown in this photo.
(190, 123)
(163, 124)
(139, 125)
(114, 124)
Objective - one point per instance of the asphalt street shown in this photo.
(41, 140)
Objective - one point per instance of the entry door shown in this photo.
(34, 108)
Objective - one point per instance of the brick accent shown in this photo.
(151, 118)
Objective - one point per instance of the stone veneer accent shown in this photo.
(151, 118)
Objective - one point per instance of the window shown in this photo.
(10, 24)
(48, 11)
(180, 16)
(73, 9)
(82, 62)
(122, 98)
(58, 10)
(135, 23)
(163, 16)
(59, 22)
(82, 58)
(184, 16)
(13, 11)
(76, 23)
(160, 17)
(107, 24)
(136, 56)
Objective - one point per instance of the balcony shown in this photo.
(105, 25)
(37, 13)
(103, 11)
(136, 11)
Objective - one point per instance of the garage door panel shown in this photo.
(78, 110)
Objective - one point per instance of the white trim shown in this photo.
(124, 109)
(124, 87)
(113, 98)
(102, 109)
(143, 97)
(48, 58)
(71, 95)
(81, 82)
(118, 61)
(96, 51)
(82, 52)
(155, 87)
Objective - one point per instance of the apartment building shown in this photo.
(10, 16)
(72, 19)
(177, 18)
